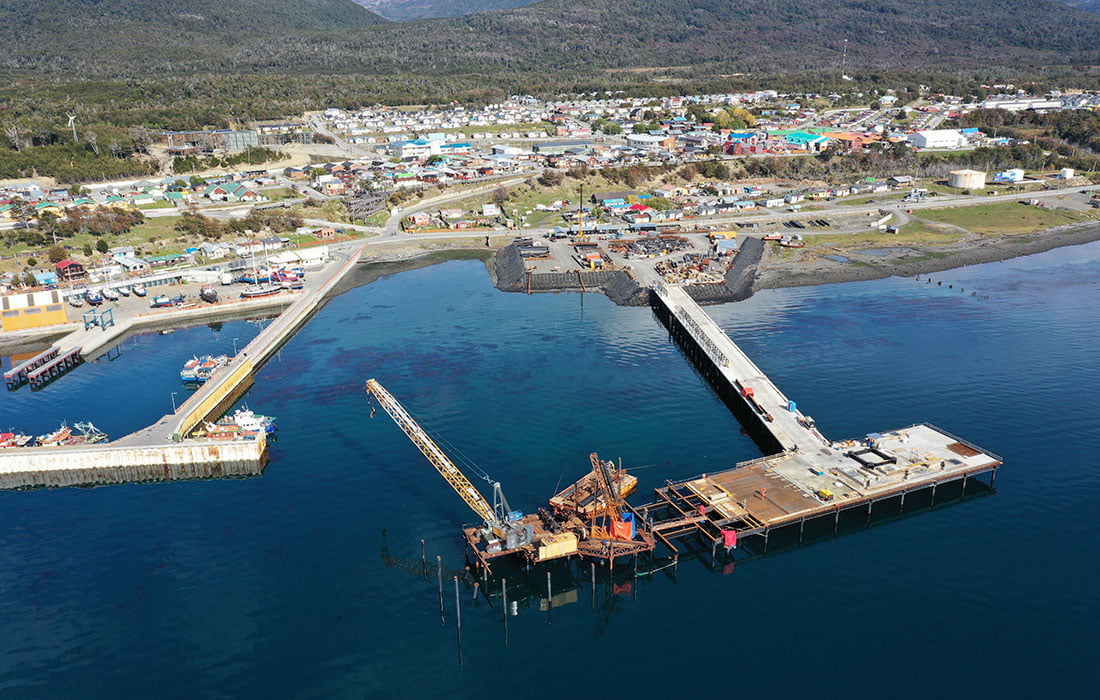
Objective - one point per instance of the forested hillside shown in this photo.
(134, 37)
(100, 36)
(403, 10)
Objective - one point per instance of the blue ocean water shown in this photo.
(307, 582)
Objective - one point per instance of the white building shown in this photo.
(937, 138)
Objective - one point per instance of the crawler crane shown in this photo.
(587, 517)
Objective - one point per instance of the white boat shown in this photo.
(124, 291)
(138, 289)
(110, 294)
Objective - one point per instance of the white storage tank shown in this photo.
(966, 179)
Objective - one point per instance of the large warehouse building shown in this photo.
(937, 138)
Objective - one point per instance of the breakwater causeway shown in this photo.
(165, 449)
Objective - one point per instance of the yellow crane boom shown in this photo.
(435, 455)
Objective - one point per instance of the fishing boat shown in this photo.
(110, 294)
(160, 302)
(55, 438)
(187, 373)
(21, 440)
(76, 300)
(14, 439)
(93, 297)
(138, 289)
(293, 284)
(249, 420)
(208, 294)
(124, 291)
(256, 276)
(256, 291)
(773, 237)
(208, 365)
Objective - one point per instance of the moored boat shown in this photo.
(159, 302)
(187, 373)
(55, 438)
(257, 291)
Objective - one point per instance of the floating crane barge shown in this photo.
(809, 477)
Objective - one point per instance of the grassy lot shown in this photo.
(277, 195)
(160, 204)
(378, 219)
(1004, 218)
(914, 233)
(524, 198)
(873, 199)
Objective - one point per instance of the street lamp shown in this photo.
(173, 402)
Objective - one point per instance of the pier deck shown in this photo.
(770, 492)
(790, 429)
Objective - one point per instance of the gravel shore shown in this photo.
(916, 260)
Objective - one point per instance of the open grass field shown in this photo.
(1005, 218)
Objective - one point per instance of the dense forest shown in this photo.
(131, 38)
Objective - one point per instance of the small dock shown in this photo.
(54, 368)
(17, 375)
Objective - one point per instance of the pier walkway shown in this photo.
(777, 414)
(811, 476)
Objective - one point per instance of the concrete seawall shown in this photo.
(109, 464)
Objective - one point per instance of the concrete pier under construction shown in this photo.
(807, 475)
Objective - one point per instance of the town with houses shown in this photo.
(389, 149)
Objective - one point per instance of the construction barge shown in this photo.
(808, 476)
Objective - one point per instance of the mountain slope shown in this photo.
(157, 32)
(576, 36)
(404, 10)
(1086, 5)
(745, 35)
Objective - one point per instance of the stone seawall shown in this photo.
(511, 276)
(739, 279)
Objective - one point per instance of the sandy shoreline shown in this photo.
(918, 260)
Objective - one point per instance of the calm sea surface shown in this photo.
(307, 582)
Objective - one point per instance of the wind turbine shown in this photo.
(72, 125)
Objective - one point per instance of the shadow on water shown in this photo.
(705, 369)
